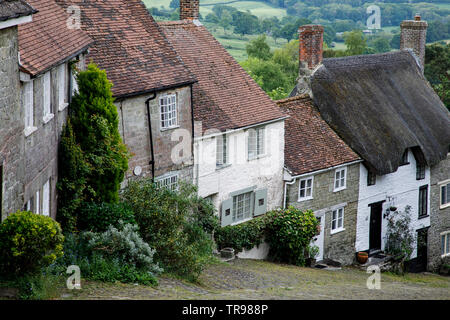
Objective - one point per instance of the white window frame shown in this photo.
(46, 198)
(37, 202)
(444, 184)
(342, 185)
(168, 111)
(168, 181)
(256, 143)
(337, 227)
(47, 97)
(222, 151)
(306, 188)
(28, 103)
(446, 236)
(62, 87)
(242, 198)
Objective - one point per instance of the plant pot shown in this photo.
(310, 262)
(362, 257)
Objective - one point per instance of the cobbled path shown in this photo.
(250, 279)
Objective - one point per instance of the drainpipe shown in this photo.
(152, 162)
(285, 191)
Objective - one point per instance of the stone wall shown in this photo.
(413, 36)
(339, 246)
(134, 129)
(11, 125)
(440, 217)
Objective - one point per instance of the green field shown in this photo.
(442, 5)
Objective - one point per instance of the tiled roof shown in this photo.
(130, 46)
(225, 97)
(310, 144)
(12, 9)
(47, 41)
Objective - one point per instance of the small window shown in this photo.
(404, 158)
(423, 201)
(371, 178)
(340, 177)
(28, 104)
(168, 111)
(170, 182)
(256, 143)
(445, 243)
(62, 89)
(305, 189)
(46, 199)
(337, 221)
(420, 173)
(37, 204)
(242, 206)
(47, 96)
(445, 195)
(221, 150)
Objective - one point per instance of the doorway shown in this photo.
(319, 239)
(422, 256)
(375, 227)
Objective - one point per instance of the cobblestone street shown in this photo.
(250, 279)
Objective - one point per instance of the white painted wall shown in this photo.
(265, 172)
(399, 189)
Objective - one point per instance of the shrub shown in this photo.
(289, 233)
(242, 236)
(175, 223)
(97, 217)
(28, 242)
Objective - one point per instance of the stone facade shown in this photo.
(11, 125)
(439, 215)
(189, 9)
(413, 36)
(134, 128)
(339, 246)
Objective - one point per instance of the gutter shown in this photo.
(154, 90)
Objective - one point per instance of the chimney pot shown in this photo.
(417, 17)
(189, 9)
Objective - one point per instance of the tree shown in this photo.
(245, 23)
(259, 48)
(94, 157)
(437, 66)
(381, 44)
(355, 42)
(267, 74)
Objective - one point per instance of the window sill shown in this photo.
(340, 189)
(444, 206)
(445, 255)
(337, 230)
(240, 221)
(169, 128)
(48, 117)
(403, 164)
(29, 130)
(422, 217)
(223, 166)
(258, 157)
(305, 199)
(63, 106)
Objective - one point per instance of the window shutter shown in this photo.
(46, 199)
(227, 216)
(260, 202)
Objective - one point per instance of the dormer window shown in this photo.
(371, 178)
(404, 158)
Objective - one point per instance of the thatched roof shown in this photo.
(12, 9)
(380, 105)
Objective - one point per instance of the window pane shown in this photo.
(447, 198)
(443, 244)
(447, 247)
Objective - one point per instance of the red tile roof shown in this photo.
(310, 144)
(46, 41)
(130, 46)
(225, 97)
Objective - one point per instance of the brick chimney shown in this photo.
(413, 36)
(189, 9)
(310, 55)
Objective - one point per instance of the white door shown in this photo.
(318, 240)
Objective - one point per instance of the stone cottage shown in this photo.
(239, 135)
(321, 174)
(12, 14)
(151, 85)
(43, 81)
(384, 109)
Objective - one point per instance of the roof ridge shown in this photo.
(304, 96)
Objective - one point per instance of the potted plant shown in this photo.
(312, 252)
(362, 257)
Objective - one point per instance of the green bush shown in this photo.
(289, 233)
(97, 217)
(242, 236)
(175, 223)
(28, 242)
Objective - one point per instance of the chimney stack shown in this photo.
(189, 9)
(310, 55)
(413, 36)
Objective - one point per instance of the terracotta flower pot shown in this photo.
(362, 257)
